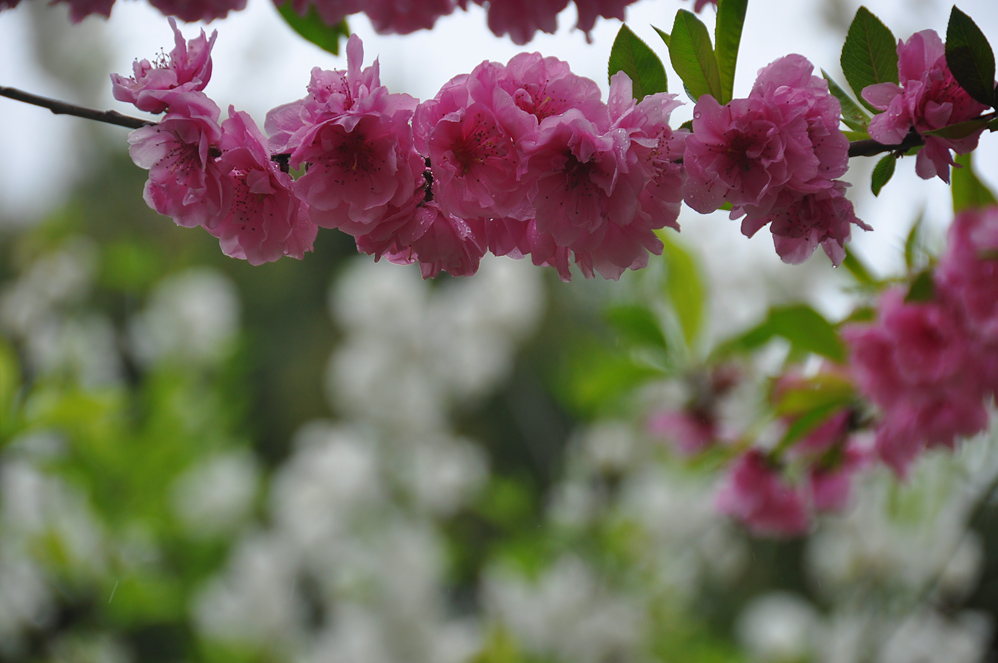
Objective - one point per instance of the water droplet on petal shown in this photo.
(697, 115)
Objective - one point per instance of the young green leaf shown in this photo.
(312, 28)
(970, 58)
(806, 330)
(882, 173)
(853, 115)
(858, 269)
(637, 325)
(727, 37)
(633, 57)
(693, 57)
(664, 35)
(922, 289)
(968, 190)
(913, 243)
(869, 55)
(684, 288)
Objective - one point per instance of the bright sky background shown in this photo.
(259, 63)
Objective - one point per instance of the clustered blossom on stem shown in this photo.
(931, 366)
(928, 98)
(219, 176)
(774, 157)
(520, 19)
(522, 159)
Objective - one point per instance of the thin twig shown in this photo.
(62, 108)
(870, 147)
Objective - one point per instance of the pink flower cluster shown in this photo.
(518, 159)
(931, 366)
(928, 98)
(520, 19)
(774, 157)
(186, 10)
(219, 176)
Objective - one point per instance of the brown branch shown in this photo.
(62, 108)
(870, 147)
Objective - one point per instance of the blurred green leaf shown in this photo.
(684, 288)
(882, 173)
(823, 390)
(10, 386)
(858, 268)
(633, 57)
(727, 38)
(967, 189)
(970, 58)
(693, 56)
(804, 328)
(312, 28)
(912, 243)
(922, 288)
(637, 324)
(869, 55)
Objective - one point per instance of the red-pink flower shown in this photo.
(470, 133)
(928, 98)
(186, 180)
(919, 364)
(755, 493)
(968, 270)
(689, 431)
(188, 68)
(198, 10)
(266, 220)
(80, 9)
(387, 16)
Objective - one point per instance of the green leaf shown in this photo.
(968, 190)
(693, 57)
(869, 55)
(912, 244)
(727, 37)
(858, 269)
(637, 324)
(684, 288)
(959, 130)
(882, 173)
(663, 35)
(823, 390)
(922, 289)
(312, 28)
(806, 330)
(970, 58)
(853, 115)
(633, 57)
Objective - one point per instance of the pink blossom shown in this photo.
(80, 9)
(470, 133)
(521, 19)
(188, 68)
(359, 144)
(8, 4)
(917, 362)
(782, 139)
(928, 98)
(689, 431)
(186, 180)
(546, 87)
(198, 10)
(266, 220)
(449, 243)
(387, 16)
(756, 494)
(830, 485)
(700, 4)
(824, 218)
(590, 10)
(968, 270)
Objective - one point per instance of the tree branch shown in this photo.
(870, 147)
(62, 108)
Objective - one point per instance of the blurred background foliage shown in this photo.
(333, 461)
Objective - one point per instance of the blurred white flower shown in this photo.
(215, 496)
(928, 637)
(190, 316)
(778, 627)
